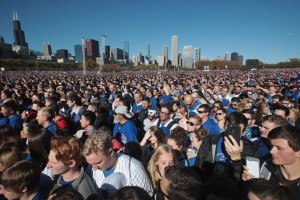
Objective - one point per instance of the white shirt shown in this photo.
(133, 170)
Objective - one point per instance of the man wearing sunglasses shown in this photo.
(207, 122)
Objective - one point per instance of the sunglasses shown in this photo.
(190, 123)
(200, 112)
(219, 113)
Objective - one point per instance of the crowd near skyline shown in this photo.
(257, 30)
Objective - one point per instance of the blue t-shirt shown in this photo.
(211, 126)
(126, 132)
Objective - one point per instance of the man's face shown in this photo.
(70, 103)
(216, 89)
(5, 111)
(84, 122)
(285, 103)
(192, 125)
(280, 113)
(202, 113)
(235, 104)
(282, 153)
(9, 193)
(137, 98)
(195, 96)
(3, 96)
(145, 105)
(40, 118)
(99, 160)
(56, 166)
(224, 92)
(117, 101)
(112, 88)
(164, 114)
(266, 128)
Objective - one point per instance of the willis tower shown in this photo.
(19, 34)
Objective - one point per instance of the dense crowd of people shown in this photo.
(150, 135)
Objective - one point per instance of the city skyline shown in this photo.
(266, 30)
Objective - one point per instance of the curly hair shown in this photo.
(179, 135)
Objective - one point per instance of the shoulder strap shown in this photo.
(171, 124)
(158, 123)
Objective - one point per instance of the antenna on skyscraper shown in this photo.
(83, 56)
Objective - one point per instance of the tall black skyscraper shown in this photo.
(18, 32)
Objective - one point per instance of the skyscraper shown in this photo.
(197, 54)
(92, 48)
(126, 51)
(166, 53)
(240, 59)
(107, 52)
(47, 50)
(227, 56)
(62, 54)
(234, 56)
(148, 51)
(187, 56)
(78, 53)
(175, 50)
(117, 54)
(19, 34)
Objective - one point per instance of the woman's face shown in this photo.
(220, 115)
(175, 107)
(164, 160)
(180, 115)
(153, 139)
(173, 144)
(216, 107)
(195, 142)
(266, 111)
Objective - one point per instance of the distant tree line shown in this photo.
(91, 65)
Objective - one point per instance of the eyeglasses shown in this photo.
(200, 111)
(219, 113)
(163, 113)
(191, 123)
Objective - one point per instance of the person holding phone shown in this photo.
(223, 154)
(284, 166)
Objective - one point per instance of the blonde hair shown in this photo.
(296, 112)
(182, 109)
(99, 141)
(152, 167)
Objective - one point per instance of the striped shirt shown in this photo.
(133, 170)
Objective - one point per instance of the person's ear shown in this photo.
(72, 163)
(24, 189)
(298, 154)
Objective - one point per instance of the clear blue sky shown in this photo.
(265, 29)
